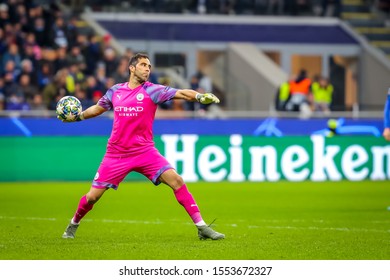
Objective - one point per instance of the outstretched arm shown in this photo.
(386, 116)
(192, 95)
(91, 112)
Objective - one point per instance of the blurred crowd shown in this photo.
(327, 8)
(46, 54)
(246, 7)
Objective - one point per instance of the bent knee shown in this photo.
(172, 179)
(177, 182)
(93, 197)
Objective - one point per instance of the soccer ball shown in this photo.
(68, 108)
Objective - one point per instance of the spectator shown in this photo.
(39, 30)
(92, 53)
(31, 42)
(16, 35)
(11, 69)
(34, 12)
(28, 69)
(55, 90)
(122, 72)
(101, 76)
(282, 96)
(20, 16)
(93, 87)
(205, 82)
(45, 74)
(4, 15)
(72, 32)
(76, 57)
(37, 103)
(59, 34)
(61, 60)
(16, 101)
(81, 95)
(9, 35)
(12, 54)
(110, 61)
(13, 93)
(300, 99)
(27, 88)
(75, 76)
(322, 95)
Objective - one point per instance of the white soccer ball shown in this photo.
(68, 108)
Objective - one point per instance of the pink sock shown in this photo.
(185, 198)
(83, 208)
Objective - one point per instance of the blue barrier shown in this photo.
(101, 126)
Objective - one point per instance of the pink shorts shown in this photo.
(113, 169)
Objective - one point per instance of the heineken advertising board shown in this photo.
(234, 158)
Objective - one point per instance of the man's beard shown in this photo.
(141, 79)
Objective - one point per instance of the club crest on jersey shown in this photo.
(119, 96)
(140, 97)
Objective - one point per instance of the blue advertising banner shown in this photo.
(101, 126)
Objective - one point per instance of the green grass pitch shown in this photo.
(262, 221)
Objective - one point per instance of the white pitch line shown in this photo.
(158, 222)
(132, 222)
(323, 228)
(28, 218)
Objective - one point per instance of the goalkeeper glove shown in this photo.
(80, 117)
(206, 98)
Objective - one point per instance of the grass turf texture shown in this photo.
(262, 221)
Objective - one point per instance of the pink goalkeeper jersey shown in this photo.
(134, 111)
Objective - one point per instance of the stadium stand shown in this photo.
(68, 53)
(46, 52)
(371, 19)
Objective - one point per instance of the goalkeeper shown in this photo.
(131, 147)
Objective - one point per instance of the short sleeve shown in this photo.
(159, 93)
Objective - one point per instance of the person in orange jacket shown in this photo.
(300, 90)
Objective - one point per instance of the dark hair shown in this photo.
(134, 59)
